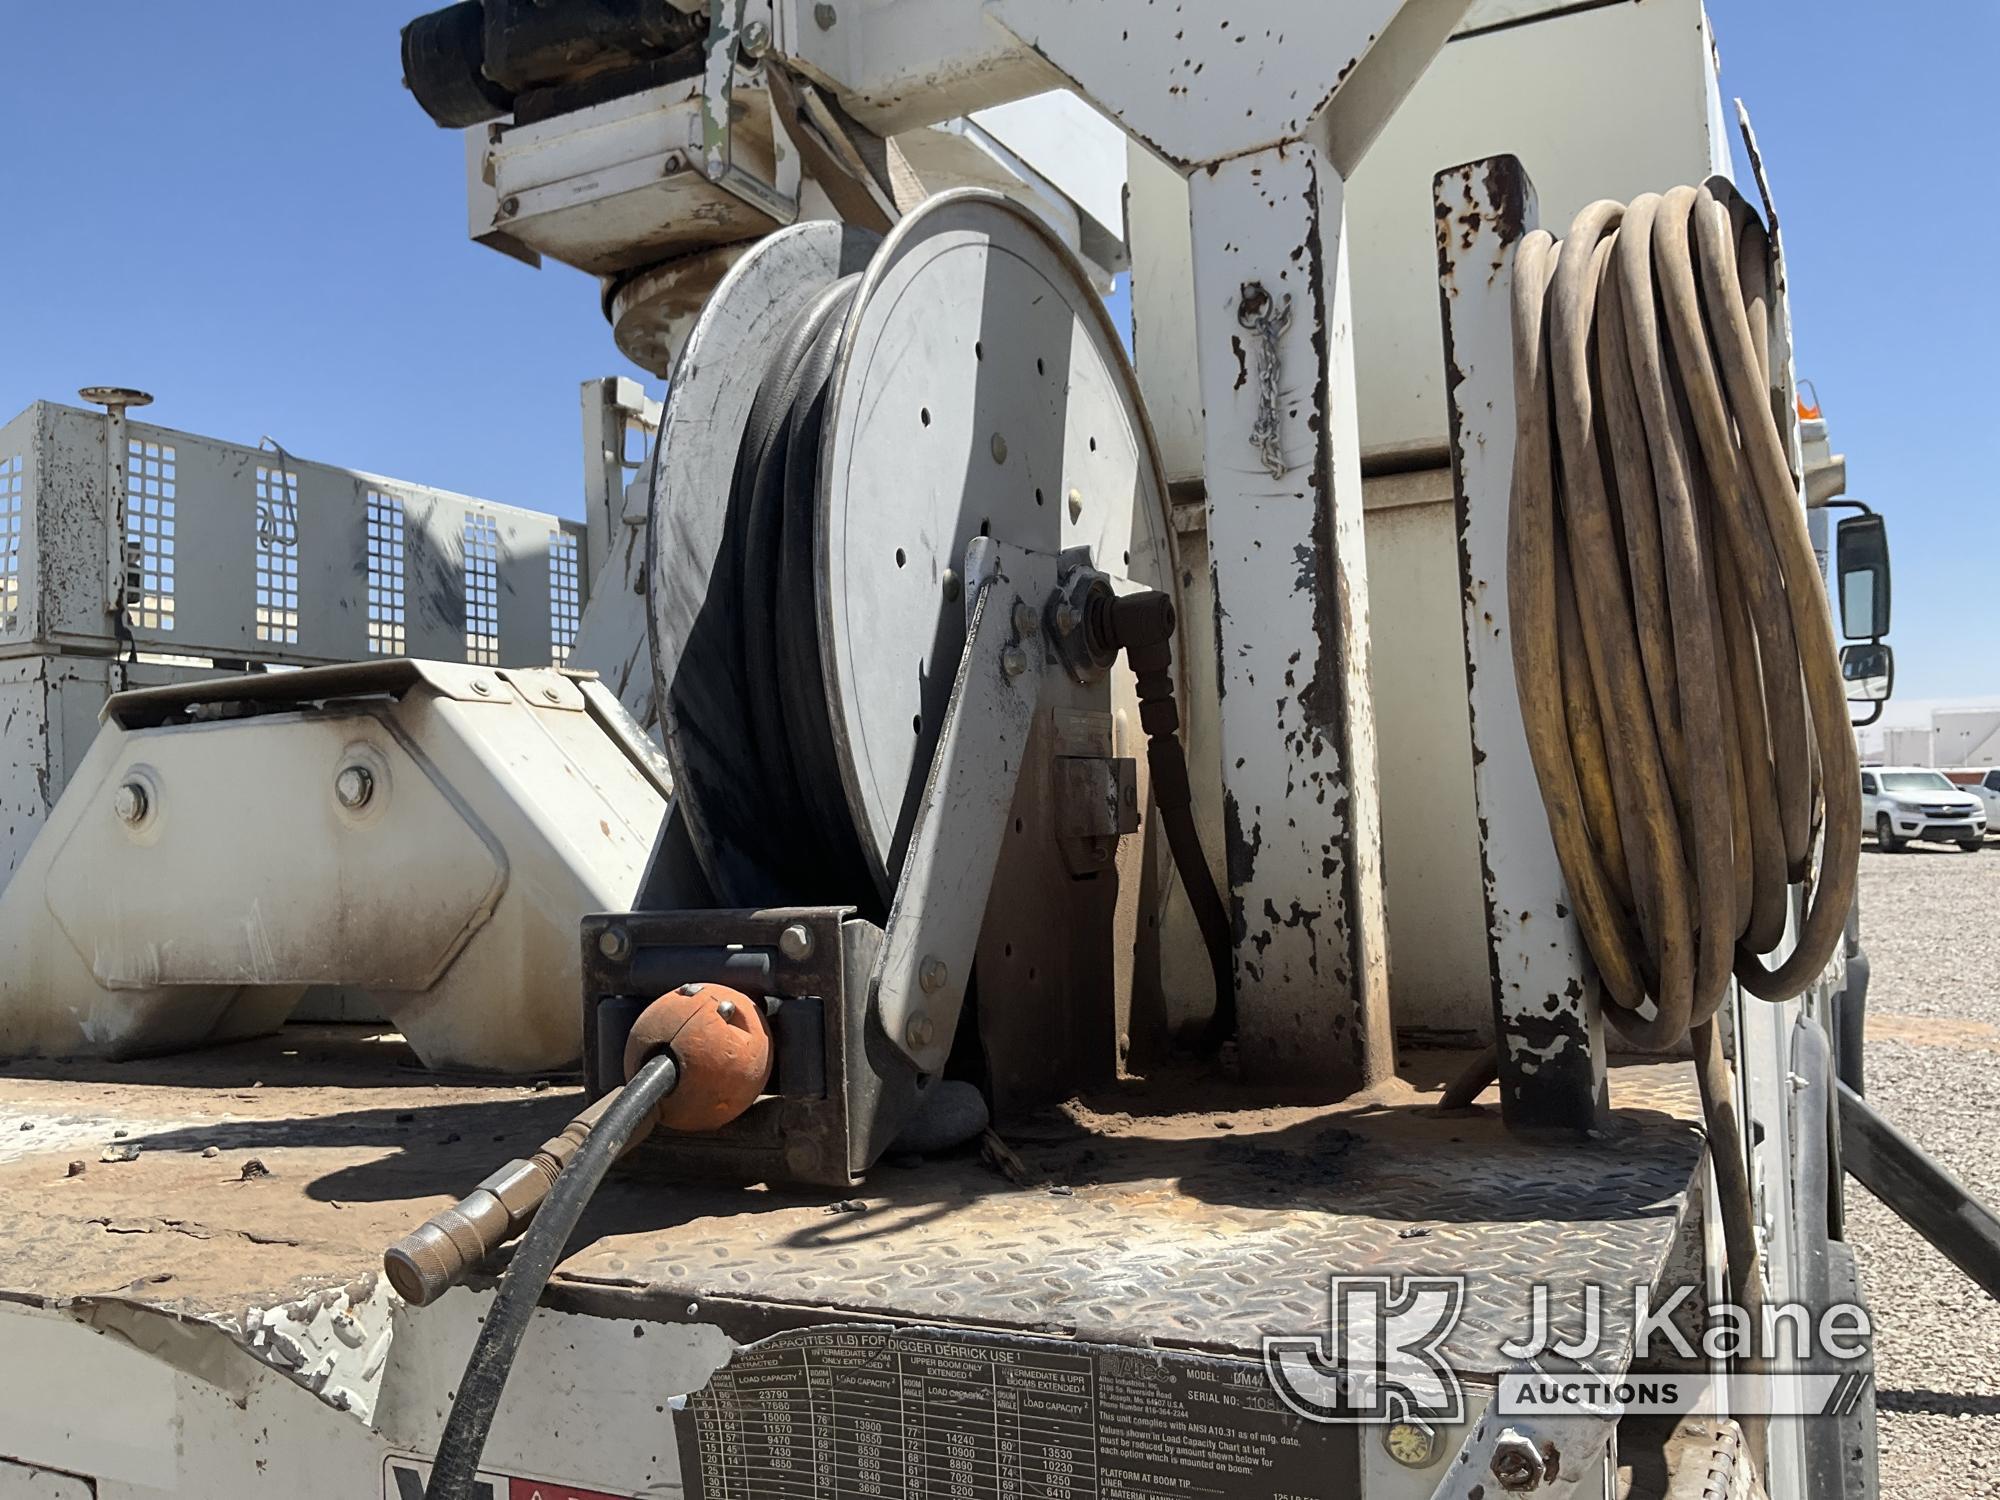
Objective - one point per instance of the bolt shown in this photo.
(932, 974)
(130, 803)
(509, 207)
(481, 686)
(614, 943)
(674, 162)
(1076, 505)
(796, 942)
(1066, 618)
(1025, 623)
(354, 787)
(1517, 1462)
(920, 1031)
(726, 1009)
(825, 16)
(952, 587)
(999, 449)
(1014, 661)
(550, 695)
(756, 39)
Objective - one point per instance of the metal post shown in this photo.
(115, 400)
(1281, 454)
(1546, 998)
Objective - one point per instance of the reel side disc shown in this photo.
(981, 389)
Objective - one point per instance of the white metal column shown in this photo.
(1546, 1002)
(1282, 453)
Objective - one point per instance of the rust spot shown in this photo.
(1242, 362)
(1507, 191)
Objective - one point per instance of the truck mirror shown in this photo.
(1870, 671)
(1862, 565)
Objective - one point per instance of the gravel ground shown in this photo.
(1931, 925)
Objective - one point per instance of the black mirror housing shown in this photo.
(1861, 568)
(1869, 669)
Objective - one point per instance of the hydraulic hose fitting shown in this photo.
(438, 1253)
(720, 1044)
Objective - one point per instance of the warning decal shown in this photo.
(404, 1476)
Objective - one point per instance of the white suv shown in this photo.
(1901, 803)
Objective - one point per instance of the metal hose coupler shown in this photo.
(438, 1253)
(721, 1042)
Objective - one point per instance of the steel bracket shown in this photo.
(940, 904)
(732, 28)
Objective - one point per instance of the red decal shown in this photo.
(541, 1489)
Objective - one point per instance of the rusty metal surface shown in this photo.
(1157, 1220)
(1546, 998)
(1301, 821)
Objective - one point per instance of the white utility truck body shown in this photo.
(1308, 460)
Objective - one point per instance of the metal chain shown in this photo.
(1268, 320)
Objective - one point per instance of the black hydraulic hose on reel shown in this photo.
(1142, 625)
(805, 839)
(540, 1247)
(807, 844)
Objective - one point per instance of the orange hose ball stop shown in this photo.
(721, 1043)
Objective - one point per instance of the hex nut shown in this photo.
(920, 1031)
(825, 16)
(756, 39)
(1014, 661)
(615, 943)
(932, 974)
(130, 804)
(354, 787)
(1517, 1463)
(796, 942)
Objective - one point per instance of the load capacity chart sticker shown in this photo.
(876, 1414)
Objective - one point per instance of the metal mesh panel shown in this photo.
(149, 535)
(10, 540)
(277, 556)
(565, 597)
(481, 541)
(387, 634)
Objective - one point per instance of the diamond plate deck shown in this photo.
(1175, 1213)
(1208, 1229)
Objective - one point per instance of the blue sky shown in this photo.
(236, 206)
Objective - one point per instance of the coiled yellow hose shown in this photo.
(1673, 649)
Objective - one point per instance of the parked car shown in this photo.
(1901, 803)
(1984, 783)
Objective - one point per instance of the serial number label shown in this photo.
(826, 1414)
